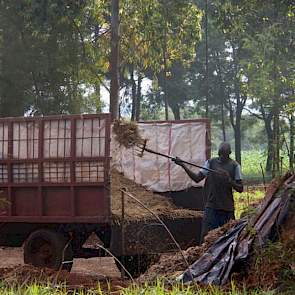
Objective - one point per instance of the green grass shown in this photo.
(254, 159)
(48, 289)
(244, 201)
(251, 161)
(158, 289)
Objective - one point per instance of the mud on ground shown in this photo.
(86, 273)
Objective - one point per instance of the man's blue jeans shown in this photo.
(214, 218)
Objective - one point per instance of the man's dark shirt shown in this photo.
(218, 192)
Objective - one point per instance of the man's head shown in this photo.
(224, 151)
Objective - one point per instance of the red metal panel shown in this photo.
(90, 201)
(56, 219)
(32, 197)
(24, 201)
(73, 155)
(9, 165)
(4, 206)
(57, 201)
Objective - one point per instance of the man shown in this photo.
(219, 185)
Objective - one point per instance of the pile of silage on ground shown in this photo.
(271, 266)
(171, 265)
(127, 133)
(160, 205)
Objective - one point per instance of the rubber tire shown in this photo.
(53, 244)
(137, 264)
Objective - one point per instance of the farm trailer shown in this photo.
(54, 193)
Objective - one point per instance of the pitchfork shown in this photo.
(143, 148)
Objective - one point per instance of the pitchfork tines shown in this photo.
(141, 147)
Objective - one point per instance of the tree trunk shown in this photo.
(206, 61)
(99, 104)
(239, 107)
(267, 119)
(291, 156)
(133, 95)
(11, 91)
(138, 98)
(223, 120)
(176, 111)
(269, 159)
(238, 143)
(269, 134)
(114, 61)
(276, 104)
(276, 144)
(165, 72)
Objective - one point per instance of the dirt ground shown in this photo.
(101, 267)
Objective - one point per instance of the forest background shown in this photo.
(230, 61)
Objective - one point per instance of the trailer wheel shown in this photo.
(46, 248)
(137, 264)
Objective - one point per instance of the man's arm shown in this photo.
(237, 185)
(196, 177)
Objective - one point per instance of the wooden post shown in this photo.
(123, 231)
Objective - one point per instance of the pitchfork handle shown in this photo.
(173, 158)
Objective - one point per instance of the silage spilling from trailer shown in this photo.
(160, 205)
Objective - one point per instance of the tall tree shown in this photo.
(114, 60)
(39, 57)
(269, 69)
(157, 34)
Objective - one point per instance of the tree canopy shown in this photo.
(55, 57)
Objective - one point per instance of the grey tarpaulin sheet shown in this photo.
(215, 266)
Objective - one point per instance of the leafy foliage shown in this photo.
(54, 58)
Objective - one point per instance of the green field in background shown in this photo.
(252, 161)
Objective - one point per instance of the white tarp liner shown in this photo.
(3, 141)
(25, 140)
(57, 139)
(90, 138)
(186, 140)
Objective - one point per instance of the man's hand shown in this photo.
(178, 161)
